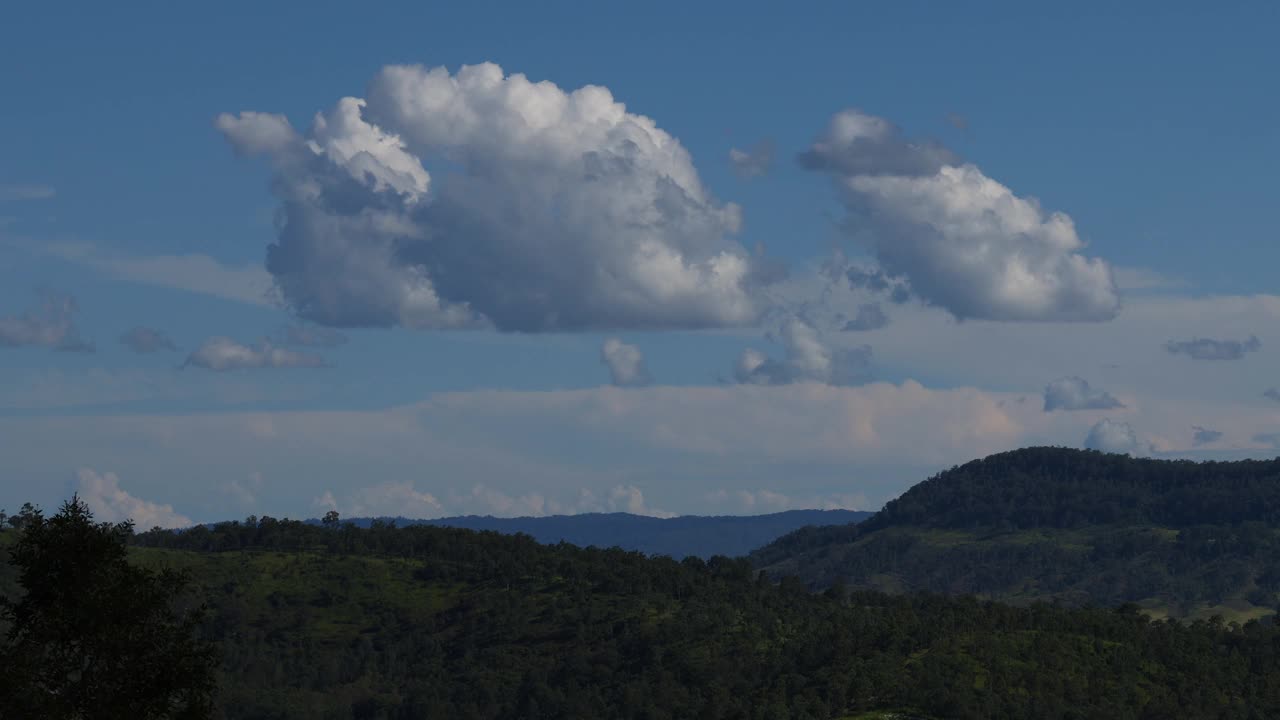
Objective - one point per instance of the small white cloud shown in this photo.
(1074, 393)
(51, 325)
(244, 491)
(223, 353)
(255, 133)
(1113, 437)
(484, 500)
(389, 499)
(629, 499)
(625, 363)
(808, 358)
(110, 503)
(326, 501)
(754, 162)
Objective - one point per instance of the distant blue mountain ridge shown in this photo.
(679, 537)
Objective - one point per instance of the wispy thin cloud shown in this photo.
(26, 191)
(1272, 439)
(147, 340)
(192, 272)
(1139, 278)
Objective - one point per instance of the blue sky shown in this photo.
(1150, 126)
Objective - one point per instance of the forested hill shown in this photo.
(1075, 526)
(678, 537)
(391, 623)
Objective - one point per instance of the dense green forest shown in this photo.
(386, 622)
(426, 622)
(1079, 527)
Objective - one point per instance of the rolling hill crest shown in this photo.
(1078, 527)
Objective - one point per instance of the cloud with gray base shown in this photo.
(1272, 394)
(960, 240)
(1207, 349)
(1075, 393)
(147, 340)
(550, 210)
(872, 280)
(111, 503)
(625, 363)
(856, 144)
(1112, 436)
(870, 316)
(1204, 436)
(223, 353)
(755, 162)
(807, 358)
(50, 325)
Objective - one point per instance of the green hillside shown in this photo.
(1178, 538)
(428, 622)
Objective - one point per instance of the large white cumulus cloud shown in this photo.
(477, 198)
(961, 240)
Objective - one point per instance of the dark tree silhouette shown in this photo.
(94, 636)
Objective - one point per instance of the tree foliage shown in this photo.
(425, 622)
(91, 635)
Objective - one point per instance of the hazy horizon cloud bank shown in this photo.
(809, 442)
